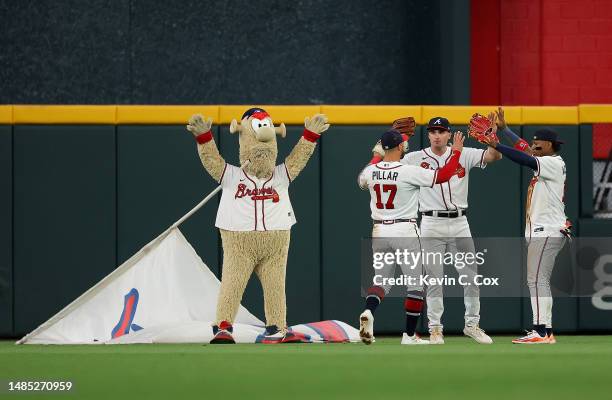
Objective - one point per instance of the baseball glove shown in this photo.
(405, 126)
(482, 128)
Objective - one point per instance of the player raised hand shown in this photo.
(501, 121)
(458, 139)
(197, 125)
(318, 123)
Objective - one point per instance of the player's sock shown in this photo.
(372, 303)
(541, 329)
(374, 297)
(549, 331)
(413, 306)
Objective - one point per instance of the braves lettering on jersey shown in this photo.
(252, 204)
(545, 207)
(451, 195)
(394, 189)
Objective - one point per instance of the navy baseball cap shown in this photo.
(548, 135)
(252, 111)
(391, 139)
(438, 123)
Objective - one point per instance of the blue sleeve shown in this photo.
(508, 134)
(518, 156)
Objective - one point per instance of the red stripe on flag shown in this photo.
(126, 317)
(329, 330)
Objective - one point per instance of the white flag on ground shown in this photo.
(163, 294)
(166, 283)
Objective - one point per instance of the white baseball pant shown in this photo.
(451, 235)
(542, 250)
(400, 235)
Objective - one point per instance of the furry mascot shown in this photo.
(255, 214)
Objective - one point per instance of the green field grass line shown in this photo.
(578, 366)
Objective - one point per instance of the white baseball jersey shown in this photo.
(252, 204)
(545, 207)
(451, 195)
(394, 189)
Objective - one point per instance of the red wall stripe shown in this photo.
(485, 46)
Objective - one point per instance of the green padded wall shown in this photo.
(586, 171)
(131, 182)
(590, 317)
(159, 179)
(64, 216)
(6, 230)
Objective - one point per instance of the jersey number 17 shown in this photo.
(385, 188)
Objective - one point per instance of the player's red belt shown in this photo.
(393, 221)
(445, 214)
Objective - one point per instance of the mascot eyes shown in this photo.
(256, 123)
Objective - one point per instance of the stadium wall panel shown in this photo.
(64, 216)
(160, 178)
(586, 170)
(130, 182)
(591, 316)
(6, 230)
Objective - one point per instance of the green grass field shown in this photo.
(576, 367)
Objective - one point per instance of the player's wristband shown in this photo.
(521, 145)
(310, 136)
(204, 137)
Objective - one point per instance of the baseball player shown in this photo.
(444, 223)
(394, 194)
(546, 225)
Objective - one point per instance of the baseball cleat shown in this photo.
(436, 336)
(532, 337)
(477, 334)
(551, 339)
(273, 335)
(223, 333)
(366, 327)
(414, 339)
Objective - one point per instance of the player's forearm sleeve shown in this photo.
(511, 136)
(518, 156)
(517, 142)
(447, 171)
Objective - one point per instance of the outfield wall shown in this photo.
(86, 187)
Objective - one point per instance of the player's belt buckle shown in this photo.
(388, 221)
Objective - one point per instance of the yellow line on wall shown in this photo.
(6, 114)
(77, 114)
(163, 114)
(593, 113)
(295, 114)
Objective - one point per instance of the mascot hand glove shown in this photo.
(378, 150)
(200, 128)
(315, 126)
